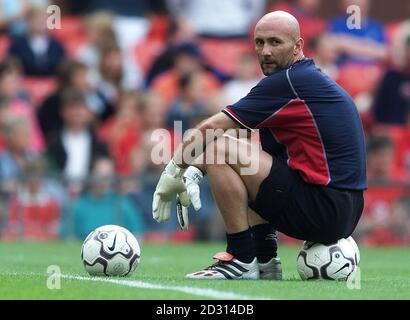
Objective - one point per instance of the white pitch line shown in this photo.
(203, 292)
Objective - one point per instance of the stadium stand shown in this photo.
(158, 60)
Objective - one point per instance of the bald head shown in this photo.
(277, 41)
(282, 22)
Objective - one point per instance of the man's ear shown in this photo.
(298, 46)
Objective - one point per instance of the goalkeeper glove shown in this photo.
(169, 184)
(192, 177)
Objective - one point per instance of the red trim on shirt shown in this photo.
(237, 117)
(295, 127)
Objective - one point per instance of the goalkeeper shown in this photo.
(311, 170)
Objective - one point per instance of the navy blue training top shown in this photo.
(309, 122)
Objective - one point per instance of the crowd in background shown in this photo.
(78, 106)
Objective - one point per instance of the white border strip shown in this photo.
(202, 292)
(196, 291)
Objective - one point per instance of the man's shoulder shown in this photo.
(307, 72)
(303, 65)
(274, 79)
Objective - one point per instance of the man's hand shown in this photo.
(192, 177)
(169, 185)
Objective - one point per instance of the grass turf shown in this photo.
(385, 274)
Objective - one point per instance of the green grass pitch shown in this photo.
(385, 274)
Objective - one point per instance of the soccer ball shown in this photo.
(110, 251)
(331, 262)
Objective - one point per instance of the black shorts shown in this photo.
(306, 211)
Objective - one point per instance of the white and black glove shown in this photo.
(169, 185)
(192, 177)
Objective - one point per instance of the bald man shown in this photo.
(311, 167)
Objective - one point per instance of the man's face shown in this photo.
(380, 163)
(274, 49)
(19, 138)
(38, 23)
(77, 115)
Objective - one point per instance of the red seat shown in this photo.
(400, 137)
(357, 78)
(72, 34)
(70, 27)
(224, 54)
(4, 46)
(39, 88)
(390, 30)
(73, 44)
(380, 210)
(158, 27)
(146, 51)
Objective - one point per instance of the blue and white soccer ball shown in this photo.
(329, 262)
(110, 251)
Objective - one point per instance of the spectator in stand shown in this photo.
(100, 32)
(113, 78)
(13, 13)
(385, 224)
(16, 101)
(152, 112)
(178, 32)
(101, 204)
(16, 153)
(149, 169)
(401, 34)
(366, 44)
(187, 59)
(219, 19)
(246, 76)
(33, 213)
(131, 23)
(400, 221)
(3, 119)
(307, 14)
(189, 107)
(71, 74)
(324, 52)
(75, 147)
(101, 35)
(380, 162)
(392, 102)
(38, 51)
(121, 133)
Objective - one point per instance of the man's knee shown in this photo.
(240, 154)
(216, 152)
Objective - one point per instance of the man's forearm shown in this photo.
(194, 144)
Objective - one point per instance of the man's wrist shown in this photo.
(193, 173)
(174, 170)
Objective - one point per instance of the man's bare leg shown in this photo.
(248, 234)
(233, 190)
(255, 219)
(231, 197)
(228, 186)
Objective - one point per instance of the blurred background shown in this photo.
(78, 105)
